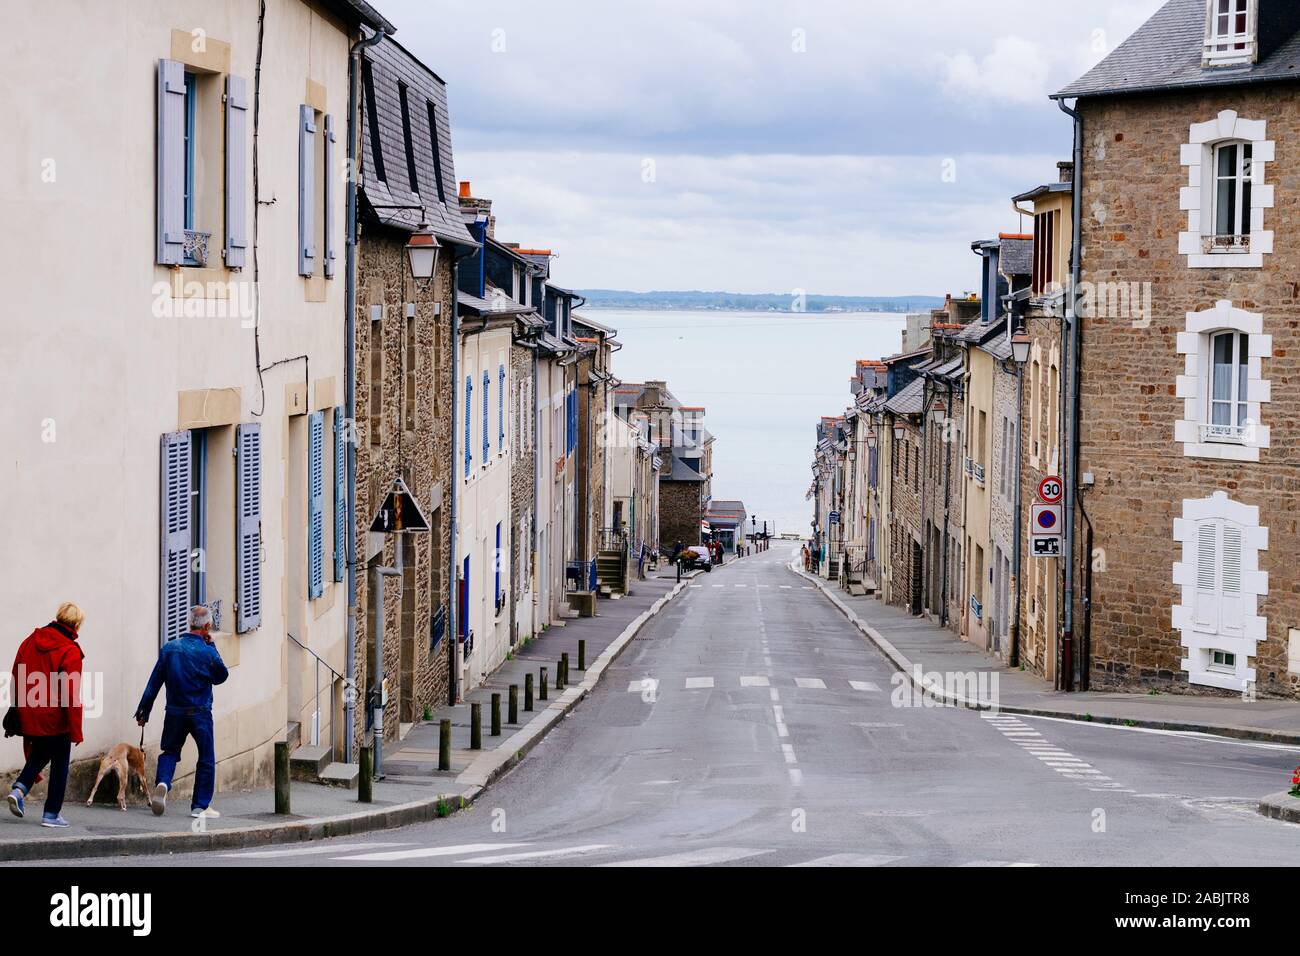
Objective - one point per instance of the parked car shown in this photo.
(697, 556)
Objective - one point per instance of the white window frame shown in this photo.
(1195, 431)
(1224, 47)
(1198, 198)
(1200, 639)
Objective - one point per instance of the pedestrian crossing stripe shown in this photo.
(758, 680)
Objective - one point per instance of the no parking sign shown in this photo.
(1044, 530)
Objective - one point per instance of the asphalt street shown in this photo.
(750, 724)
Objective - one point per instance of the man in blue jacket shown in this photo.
(189, 666)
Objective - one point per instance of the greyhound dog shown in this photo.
(126, 760)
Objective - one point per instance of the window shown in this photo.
(376, 149)
(315, 505)
(1223, 387)
(1224, 661)
(412, 176)
(1229, 351)
(1226, 196)
(501, 409)
(487, 445)
(1044, 264)
(191, 99)
(496, 560)
(434, 141)
(1229, 32)
(469, 418)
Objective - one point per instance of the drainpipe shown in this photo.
(1071, 446)
(947, 507)
(1013, 658)
(350, 387)
(453, 636)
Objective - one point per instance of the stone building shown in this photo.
(1187, 474)
(403, 361)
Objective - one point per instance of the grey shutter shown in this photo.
(171, 163)
(174, 573)
(236, 172)
(316, 507)
(306, 190)
(328, 185)
(340, 495)
(248, 511)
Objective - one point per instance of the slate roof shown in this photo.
(949, 370)
(910, 400)
(998, 344)
(388, 64)
(1016, 257)
(1043, 191)
(1166, 54)
(354, 10)
(682, 472)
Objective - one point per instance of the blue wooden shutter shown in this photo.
(316, 505)
(306, 190)
(248, 511)
(469, 411)
(340, 494)
(236, 172)
(328, 185)
(174, 573)
(487, 445)
(171, 163)
(501, 408)
(497, 586)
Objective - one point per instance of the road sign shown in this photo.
(1044, 530)
(1046, 546)
(1050, 489)
(835, 517)
(399, 513)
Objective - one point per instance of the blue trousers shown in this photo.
(56, 751)
(176, 727)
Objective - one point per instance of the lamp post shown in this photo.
(422, 255)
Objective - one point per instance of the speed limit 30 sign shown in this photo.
(1051, 489)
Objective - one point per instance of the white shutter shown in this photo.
(248, 515)
(236, 172)
(306, 190)
(174, 573)
(170, 170)
(1206, 616)
(328, 187)
(1230, 601)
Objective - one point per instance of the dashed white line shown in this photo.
(756, 681)
(810, 683)
(699, 683)
(538, 854)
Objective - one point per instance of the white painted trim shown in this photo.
(1192, 385)
(1197, 197)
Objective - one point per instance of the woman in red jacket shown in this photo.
(47, 682)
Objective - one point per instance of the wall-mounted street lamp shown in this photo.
(1020, 343)
(898, 432)
(940, 410)
(422, 254)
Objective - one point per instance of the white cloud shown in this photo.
(1016, 70)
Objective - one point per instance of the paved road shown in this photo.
(751, 725)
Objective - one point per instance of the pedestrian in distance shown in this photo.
(47, 687)
(188, 667)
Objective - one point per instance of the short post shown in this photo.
(679, 570)
(559, 674)
(582, 655)
(564, 659)
(528, 692)
(444, 744)
(365, 777)
(496, 715)
(476, 725)
(542, 695)
(282, 776)
(513, 714)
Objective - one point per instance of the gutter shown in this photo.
(1071, 446)
(350, 387)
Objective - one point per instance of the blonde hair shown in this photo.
(70, 615)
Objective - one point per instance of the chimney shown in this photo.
(482, 208)
(1065, 171)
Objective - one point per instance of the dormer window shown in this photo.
(1230, 32)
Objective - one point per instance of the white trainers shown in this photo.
(158, 802)
(207, 812)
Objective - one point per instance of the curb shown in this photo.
(937, 692)
(1280, 806)
(472, 781)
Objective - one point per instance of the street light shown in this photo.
(898, 431)
(422, 254)
(1020, 343)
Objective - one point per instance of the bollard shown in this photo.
(282, 776)
(564, 660)
(513, 714)
(542, 695)
(559, 674)
(365, 777)
(528, 692)
(496, 715)
(476, 725)
(582, 655)
(444, 744)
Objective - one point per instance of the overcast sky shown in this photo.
(843, 147)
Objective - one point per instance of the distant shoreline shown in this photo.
(781, 304)
(614, 307)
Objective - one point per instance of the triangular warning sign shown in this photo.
(399, 512)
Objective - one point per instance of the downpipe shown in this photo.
(1072, 663)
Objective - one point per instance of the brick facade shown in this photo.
(522, 480)
(680, 505)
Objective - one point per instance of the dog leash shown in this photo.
(142, 740)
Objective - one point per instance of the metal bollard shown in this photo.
(365, 776)
(496, 715)
(476, 725)
(582, 655)
(561, 678)
(542, 695)
(444, 744)
(513, 714)
(282, 776)
(528, 692)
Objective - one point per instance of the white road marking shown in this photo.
(767, 660)
(866, 685)
(695, 587)
(781, 729)
(759, 681)
(538, 854)
(850, 859)
(697, 683)
(719, 854)
(425, 852)
(810, 683)
(788, 750)
(785, 587)
(796, 776)
(775, 694)
(1189, 734)
(719, 585)
(311, 850)
(646, 683)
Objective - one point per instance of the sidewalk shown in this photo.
(912, 642)
(412, 791)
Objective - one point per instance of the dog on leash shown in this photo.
(127, 761)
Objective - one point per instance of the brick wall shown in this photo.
(521, 477)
